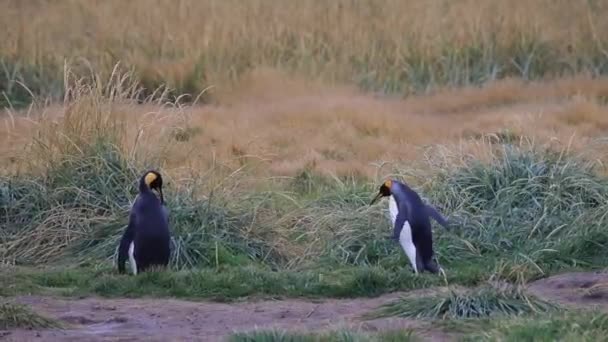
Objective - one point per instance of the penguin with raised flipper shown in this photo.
(410, 217)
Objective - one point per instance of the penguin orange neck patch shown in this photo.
(388, 183)
(149, 178)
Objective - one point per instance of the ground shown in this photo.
(98, 319)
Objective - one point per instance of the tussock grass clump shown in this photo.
(80, 207)
(525, 205)
(483, 302)
(339, 227)
(216, 230)
(73, 200)
(77, 181)
(14, 315)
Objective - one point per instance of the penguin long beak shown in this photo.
(162, 199)
(159, 193)
(378, 196)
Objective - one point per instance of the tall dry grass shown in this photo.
(392, 46)
(273, 125)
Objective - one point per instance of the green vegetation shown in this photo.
(538, 209)
(569, 326)
(223, 284)
(521, 214)
(478, 303)
(19, 316)
(339, 336)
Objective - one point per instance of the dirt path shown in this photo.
(96, 319)
(584, 290)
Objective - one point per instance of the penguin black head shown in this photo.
(153, 181)
(384, 191)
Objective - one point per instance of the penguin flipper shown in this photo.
(398, 226)
(437, 216)
(165, 212)
(125, 242)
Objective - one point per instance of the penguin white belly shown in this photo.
(406, 242)
(132, 258)
(405, 237)
(392, 208)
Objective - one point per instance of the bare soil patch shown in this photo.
(578, 289)
(95, 319)
(98, 319)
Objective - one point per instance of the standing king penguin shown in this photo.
(410, 217)
(146, 241)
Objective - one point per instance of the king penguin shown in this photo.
(410, 217)
(146, 241)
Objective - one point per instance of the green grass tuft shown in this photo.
(569, 326)
(477, 303)
(14, 315)
(337, 336)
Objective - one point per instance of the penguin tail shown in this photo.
(432, 266)
(437, 216)
(121, 261)
(122, 256)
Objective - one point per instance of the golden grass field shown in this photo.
(279, 126)
(166, 40)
